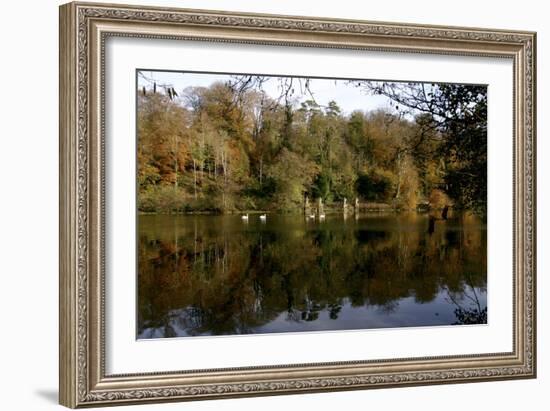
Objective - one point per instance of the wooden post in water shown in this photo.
(345, 208)
(320, 210)
(307, 210)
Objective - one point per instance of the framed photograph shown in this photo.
(259, 204)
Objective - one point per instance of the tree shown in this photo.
(231, 146)
(459, 113)
(293, 177)
(161, 132)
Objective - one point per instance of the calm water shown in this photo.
(218, 275)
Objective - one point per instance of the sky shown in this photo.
(348, 97)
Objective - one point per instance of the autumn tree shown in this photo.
(231, 146)
(458, 112)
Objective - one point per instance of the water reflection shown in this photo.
(214, 275)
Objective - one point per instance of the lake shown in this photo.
(202, 275)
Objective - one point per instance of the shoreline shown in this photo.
(327, 212)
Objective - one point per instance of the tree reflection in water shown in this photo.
(215, 275)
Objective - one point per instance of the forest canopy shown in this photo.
(238, 145)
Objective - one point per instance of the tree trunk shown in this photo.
(224, 169)
(215, 165)
(261, 169)
(195, 178)
(399, 173)
(176, 163)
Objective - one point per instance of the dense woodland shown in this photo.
(231, 147)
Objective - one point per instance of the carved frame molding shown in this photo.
(84, 27)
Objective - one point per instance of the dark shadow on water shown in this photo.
(50, 395)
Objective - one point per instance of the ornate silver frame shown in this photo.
(83, 30)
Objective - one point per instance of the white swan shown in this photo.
(244, 217)
(322, 216)
(263, 217)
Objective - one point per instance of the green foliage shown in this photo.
(322, 187)
(292, 176)
(374, 186)
(164, 199)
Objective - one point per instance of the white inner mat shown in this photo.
(124, 354)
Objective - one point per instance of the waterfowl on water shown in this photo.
(263, 217)
(244, 217)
